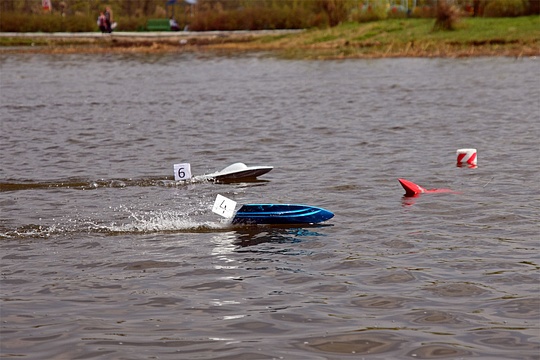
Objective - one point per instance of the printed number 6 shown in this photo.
(181, 173)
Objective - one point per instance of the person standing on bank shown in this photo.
(102, 23)
(108, 19)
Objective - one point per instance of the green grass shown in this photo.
(469, 30)
(413, 37)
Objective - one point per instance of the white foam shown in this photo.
(164, 220)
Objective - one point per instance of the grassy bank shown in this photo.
(518, 36)
(416, 38)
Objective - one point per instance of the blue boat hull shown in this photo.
(280, 214)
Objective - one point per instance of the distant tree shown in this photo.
(336, 10)
(476, 8)
(446, 17)
(27, 7)
(7, 6)
(534, 7)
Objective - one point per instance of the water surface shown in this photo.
(105, 256)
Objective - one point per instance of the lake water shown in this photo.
(105, 256)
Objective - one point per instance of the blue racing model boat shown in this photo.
(280, 214)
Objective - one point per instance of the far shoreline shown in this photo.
(291, 44)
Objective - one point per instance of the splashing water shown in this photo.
(138, 221)
(166, 221)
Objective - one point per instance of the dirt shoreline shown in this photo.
(231, 42)
(119, 40)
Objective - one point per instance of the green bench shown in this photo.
(158, 25)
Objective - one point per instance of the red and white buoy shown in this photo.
(466, 157)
